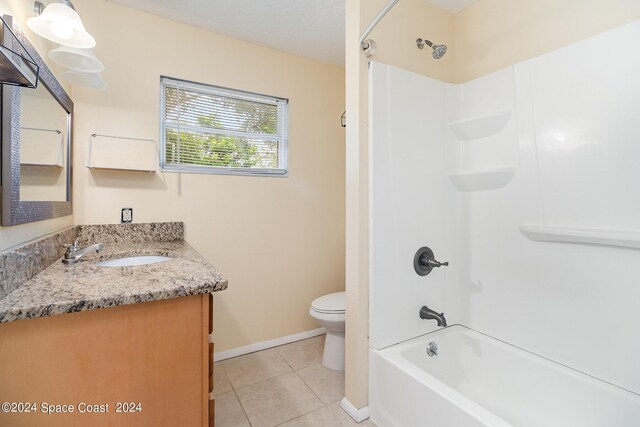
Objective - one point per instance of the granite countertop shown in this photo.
(86, 286)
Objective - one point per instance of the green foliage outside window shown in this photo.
(216, 127)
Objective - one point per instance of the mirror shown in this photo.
(36, 145)
(43, 143)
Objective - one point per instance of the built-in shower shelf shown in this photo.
(481, 180)
(621, 238)
(480, 126)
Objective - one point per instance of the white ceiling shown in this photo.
(309, 28)
(454, 6)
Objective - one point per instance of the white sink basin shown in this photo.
(134, 260)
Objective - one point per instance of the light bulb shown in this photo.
(62, 30)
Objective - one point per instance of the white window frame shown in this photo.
(232, 93)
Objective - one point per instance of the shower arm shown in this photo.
(368, 46)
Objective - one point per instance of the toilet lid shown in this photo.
(332, 303)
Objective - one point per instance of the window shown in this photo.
(209, 129)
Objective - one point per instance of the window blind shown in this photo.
(211, 129)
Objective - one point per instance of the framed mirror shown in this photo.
(36, 144)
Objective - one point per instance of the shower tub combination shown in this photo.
(476, 380)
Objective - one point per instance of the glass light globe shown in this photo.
(83, 60)
(88, 80)
(61, 24)
(62, 30)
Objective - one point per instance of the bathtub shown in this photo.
(476, 380)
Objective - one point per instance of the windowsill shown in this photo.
(208, 170)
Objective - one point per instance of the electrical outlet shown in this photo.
(127, 215)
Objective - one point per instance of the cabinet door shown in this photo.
(153, 354)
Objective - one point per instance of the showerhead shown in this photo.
(438, 49)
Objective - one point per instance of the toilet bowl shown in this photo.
(328, 311)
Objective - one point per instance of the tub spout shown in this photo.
(428, 314)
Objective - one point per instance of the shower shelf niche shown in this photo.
(620, 238)
(481, 180)
(480, 126)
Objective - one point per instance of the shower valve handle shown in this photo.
(424, 261)
(433, 263)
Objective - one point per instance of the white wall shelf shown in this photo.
(42, 165)
(482, 180)
(112, 169)
(620, 238)
(480, 126)
(122, 154)
(41, 147)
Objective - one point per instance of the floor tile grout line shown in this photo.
(309, 387)
(291, 370)
(279, 355)
(285, 360)
(244, 411)
(261, 381)
(233, 387)
(221, 367)
(303, 415)
(292, 344)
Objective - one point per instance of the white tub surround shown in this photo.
(476, 380)
(526, 181)
(407, 197)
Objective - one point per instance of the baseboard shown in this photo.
(251, 348)
(358, 415)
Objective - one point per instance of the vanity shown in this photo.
(116, 338)
(96, 344)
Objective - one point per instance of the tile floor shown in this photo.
(283, 386)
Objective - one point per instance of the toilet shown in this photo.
(328, 311)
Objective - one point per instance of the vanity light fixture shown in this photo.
(83, 60)
(88, 80)
(60, 23)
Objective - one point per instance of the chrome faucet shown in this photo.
(428, 314)
(432, 349)
(74, 253)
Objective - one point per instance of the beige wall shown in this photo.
(13, 236)
(493, 34)
(279, 241)
(264, 259)
(487, 36)
(396, 36)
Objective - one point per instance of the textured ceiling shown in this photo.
(309, 28)
(454, 6)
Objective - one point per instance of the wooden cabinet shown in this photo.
(212, 402)
(148, 364)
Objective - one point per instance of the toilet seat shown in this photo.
(330, 304)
